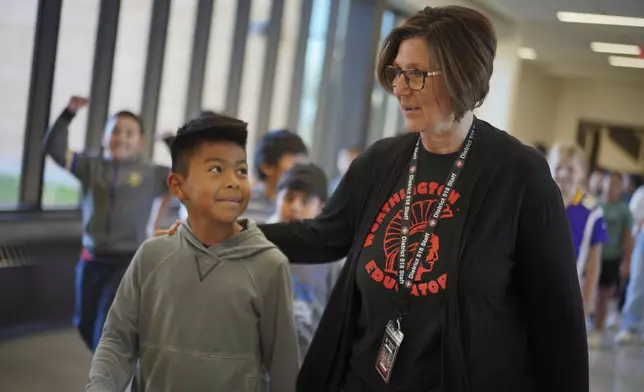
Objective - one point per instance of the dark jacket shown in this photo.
(514, 318)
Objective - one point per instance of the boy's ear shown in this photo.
(175, 183)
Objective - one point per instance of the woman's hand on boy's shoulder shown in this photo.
(170, 231)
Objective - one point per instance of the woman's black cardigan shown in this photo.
(514, 318)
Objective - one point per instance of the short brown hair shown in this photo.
(464, 44)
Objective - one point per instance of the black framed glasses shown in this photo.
(414, 78)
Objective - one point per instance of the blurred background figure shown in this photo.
(595, 182)
(632, 320)
(568, 166)
(616, 252)
(276, 153)
(345, 158)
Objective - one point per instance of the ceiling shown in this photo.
(563, 49)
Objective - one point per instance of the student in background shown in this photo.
(616, 253)
(276, 152)
(632, 323)
(118, 191)
(567, 163)
(208, 309)
(301, 194)
(345, 158)
(595, 183)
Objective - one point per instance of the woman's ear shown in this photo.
(176, 183)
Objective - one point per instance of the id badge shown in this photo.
(389, 349)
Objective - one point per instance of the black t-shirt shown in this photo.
(418, 365)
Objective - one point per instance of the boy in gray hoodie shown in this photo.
(208, 309)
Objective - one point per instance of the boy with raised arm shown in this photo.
(118, 187)
(208, 309)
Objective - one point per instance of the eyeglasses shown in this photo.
(414, 78)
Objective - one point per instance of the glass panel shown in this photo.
(254, 68)
(285, 64)
(220, 46)
(380, 97)
(130, 56)
(313, 69)
(18, 21)
(73, 76)
(176, 66)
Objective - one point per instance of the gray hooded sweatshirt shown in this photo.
(201, 318)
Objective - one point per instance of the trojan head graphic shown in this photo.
(419, 217)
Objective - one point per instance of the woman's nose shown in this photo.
(400, 86)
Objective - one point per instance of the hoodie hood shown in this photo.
(247, 244)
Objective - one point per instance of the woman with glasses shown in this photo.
(460, 272)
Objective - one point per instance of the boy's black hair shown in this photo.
(130, 115)
(192, 135)
(168, 140)
(274, 145)
(308, 178)
(205, 112)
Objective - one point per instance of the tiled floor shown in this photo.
(58, 361)
(53, 361)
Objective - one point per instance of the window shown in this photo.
(220, 46)
(385, 112)
(176, 68)
(73, 76)
(130, 56)
(313, 69)
(285, 64)
(18, 21)
(254, 68)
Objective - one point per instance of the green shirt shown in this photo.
(618, 219)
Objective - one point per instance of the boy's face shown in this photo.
(568, 174)
(217, 186)
(295, 205)
(284, 164)
(123, 137)
(595, 182)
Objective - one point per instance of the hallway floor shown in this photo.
(58, 361)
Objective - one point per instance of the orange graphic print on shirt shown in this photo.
(386, 232)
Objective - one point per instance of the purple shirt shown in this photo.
(578, 212)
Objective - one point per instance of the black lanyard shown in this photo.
(406, 280)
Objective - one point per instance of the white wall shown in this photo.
(606, 102)
(535, 106)
(499, 103)
(548, 109)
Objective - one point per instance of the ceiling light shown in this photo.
(527, 53)
(630, 62)
(603, 47)
(576, 17)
